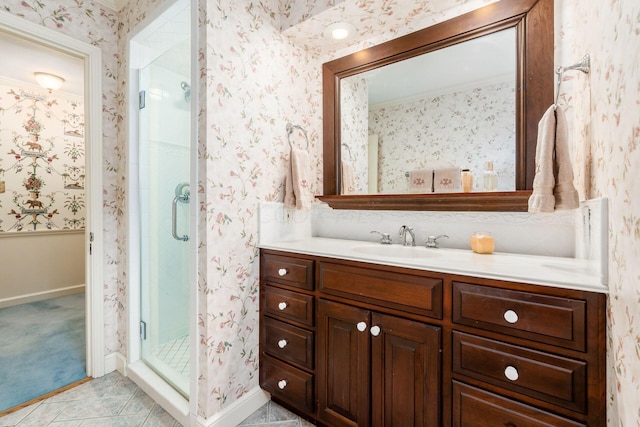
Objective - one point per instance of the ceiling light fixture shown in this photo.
(49, 81)
(339, 31)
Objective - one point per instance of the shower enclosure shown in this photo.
(164, 204)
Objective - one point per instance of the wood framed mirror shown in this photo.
(533, 23)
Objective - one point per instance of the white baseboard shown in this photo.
(39, 296)
(115, 362)
(238, 411)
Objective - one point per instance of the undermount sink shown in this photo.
(397, 251)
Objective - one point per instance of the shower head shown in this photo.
(186, 87)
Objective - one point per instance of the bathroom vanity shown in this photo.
(352, 337)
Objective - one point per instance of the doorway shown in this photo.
(37, 211)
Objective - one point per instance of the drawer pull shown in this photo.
(362, 326)
(282, 343)
(375, 331)
(282, 272)
(511, 373)
(282, 384)
(282, 305)
(510, 316)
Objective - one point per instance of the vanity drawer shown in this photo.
(287, 342)
(287, 305)
(287, 383)
(553, 379)
(473, 407)
(288, 270)
(543, 318)
(403, 291)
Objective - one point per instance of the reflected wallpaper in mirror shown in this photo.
(454, 107)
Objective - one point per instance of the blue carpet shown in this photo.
(42, 348)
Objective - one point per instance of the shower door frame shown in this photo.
(170, 399)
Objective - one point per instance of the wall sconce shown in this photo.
(339, 31)
(49, 81)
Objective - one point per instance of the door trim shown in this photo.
(93, 168)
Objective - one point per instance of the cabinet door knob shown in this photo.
(362, 326)
(282, 305)
(511, 373)
(375, 331)
(282, 343)
(282, 384)
(510, 316)
(282, 272)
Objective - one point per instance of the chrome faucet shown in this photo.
(432, 241)
(385, 239)
(407, 236)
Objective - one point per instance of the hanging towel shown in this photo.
(421, 181)
(447, 180)
(296, 186)
(348, 179)
(553, 182)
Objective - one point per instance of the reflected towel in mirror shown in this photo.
(553, 182)
(447, 180)
(297, 191)
(348, 182)
(421, 181)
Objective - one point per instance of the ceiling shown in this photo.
(27, 57)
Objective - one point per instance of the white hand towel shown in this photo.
(447, 180)
(553, 182)
(297, 192)
(348, 179)
(421, 181)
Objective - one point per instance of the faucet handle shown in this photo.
(385, 238)
(432, 241)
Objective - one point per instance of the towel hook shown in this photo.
(290, 128)
(583, 65)
(349, 150)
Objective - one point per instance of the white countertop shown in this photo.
(539, 270)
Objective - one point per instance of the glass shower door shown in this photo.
(164, 119)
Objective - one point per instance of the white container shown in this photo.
(490, 178)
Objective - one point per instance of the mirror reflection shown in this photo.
(414, 125)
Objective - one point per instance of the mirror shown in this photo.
(371, 122)
(453, 107)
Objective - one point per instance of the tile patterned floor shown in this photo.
(176, 354)
(115, 401)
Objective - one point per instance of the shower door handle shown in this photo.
(182, 195)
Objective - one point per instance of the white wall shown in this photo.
(40, 265)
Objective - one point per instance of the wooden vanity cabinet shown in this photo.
(376, 369)
(374, 345)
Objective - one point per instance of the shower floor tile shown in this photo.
(175, 354)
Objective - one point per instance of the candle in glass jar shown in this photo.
(482, 242)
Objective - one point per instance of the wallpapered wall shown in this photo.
(354, 132)
(447, 130)
(41, 159)
(255, 81)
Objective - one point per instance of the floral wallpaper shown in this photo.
(354, 101)
(604, 117)
(42, 163)
(98, 26)
(446, 130)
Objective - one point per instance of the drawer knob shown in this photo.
(282, 384)
(362, 326)
(375, 331)
(282, 305)
(510, 316)
(511, 373)
(282, 272)
(282, 343)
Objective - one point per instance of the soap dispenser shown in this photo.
(490, 178)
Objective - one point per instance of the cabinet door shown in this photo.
(343, 364)
(405, 372)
